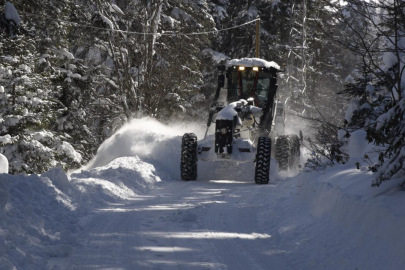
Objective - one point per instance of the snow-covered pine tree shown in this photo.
(378, 89)
(240, 42)
(57, 88)
(29, 109)
(323, 60)
(81, 56)
(99, 78)
(178, 66)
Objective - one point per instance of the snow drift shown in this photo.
(366, 224)
(43, 217)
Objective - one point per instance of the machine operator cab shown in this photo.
(251, 79)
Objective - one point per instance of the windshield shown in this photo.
(244, 84)
(262, 88)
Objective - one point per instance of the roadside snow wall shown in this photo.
(40, 215)
(366, 217)
(36, 222)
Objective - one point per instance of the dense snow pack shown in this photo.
(331, 219)
(252, 62)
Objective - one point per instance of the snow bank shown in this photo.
(123, 177)
(36, 222)
(41, 216)
(366, 224)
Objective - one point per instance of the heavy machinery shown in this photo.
(246, 114)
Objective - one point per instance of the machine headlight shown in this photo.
(241, 68)
(255, 68)
(224, 131)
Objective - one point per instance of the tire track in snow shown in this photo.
(171, 242)
(110, 235)
(231, 247)
(195, 225)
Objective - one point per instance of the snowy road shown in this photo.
(235, 225)
(181, 225)
(129, 210)
(160, 222)
(216, 224)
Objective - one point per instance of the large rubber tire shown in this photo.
(295, 151)
(263, 158)
(288, 152)
(188, 164)
(283, 152)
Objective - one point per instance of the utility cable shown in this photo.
(140, 33)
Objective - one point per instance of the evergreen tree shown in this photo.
(30, 107)
(378, 90)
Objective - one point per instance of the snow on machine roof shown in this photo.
(252, 62)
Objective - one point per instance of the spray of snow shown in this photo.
(160, 144)
(148, 139)
(295, 124)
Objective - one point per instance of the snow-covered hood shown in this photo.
(252, 62)
(229, 112)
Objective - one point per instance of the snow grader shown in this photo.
(248, 120)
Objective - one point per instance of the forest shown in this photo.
(72, 72)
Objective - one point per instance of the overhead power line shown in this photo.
(141, 33)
